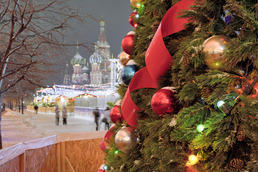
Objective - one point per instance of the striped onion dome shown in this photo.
(95, 58)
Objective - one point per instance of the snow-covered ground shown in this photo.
(19, 128)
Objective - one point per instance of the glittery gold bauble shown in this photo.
(236, 164)
(135, 3)
(214, 49)
(125, 139)
(124, 58)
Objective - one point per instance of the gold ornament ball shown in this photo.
(125, 139)
(124, 58)
(135, 3)
(213, 49)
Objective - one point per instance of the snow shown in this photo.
(18, 128)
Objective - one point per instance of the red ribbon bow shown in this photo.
(157, 58)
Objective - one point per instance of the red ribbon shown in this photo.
(106, 139)
(157, 58)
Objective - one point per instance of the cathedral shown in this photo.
(94, 71)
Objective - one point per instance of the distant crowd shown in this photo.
(95, 112)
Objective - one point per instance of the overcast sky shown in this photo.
(115, 14)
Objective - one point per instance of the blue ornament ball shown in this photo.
(227, 18)
(128, 72)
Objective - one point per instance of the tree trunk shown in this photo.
(1, 145)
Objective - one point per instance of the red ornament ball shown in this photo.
(105, 143)
(115, 114)
(133, 19)
(190, 169)
(128, 44)
(163, 101)
(254, 93)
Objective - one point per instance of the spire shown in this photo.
(67, 69)
(102, 36)
(77, 46)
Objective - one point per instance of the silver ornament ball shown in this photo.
(125, 139)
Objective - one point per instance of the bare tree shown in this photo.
(30, 33)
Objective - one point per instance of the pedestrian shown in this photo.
(106, 118)
(64, 115)
(3, 107)
(96, 117)
(57, 114)
(35, 108)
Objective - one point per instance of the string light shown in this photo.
(200, 128)
(116, 152)
(138, 5)
(105, 167)
(192, 160)
(220, 103)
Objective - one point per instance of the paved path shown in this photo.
(19, 128)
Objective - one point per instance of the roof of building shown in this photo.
(85, 68)
(78, 56)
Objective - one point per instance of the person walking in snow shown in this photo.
(106, 118)
(35, 108)
(57, 114)
(96, 117)
(64, 115)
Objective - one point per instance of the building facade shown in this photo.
(80, 69)
(96, 69)
(99, 60)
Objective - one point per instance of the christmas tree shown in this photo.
(190, 101)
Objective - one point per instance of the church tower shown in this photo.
(67, 78)
(78, 63)
(99, 60)
(103, 46)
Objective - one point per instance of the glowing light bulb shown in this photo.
(105, 167)
(192, 160)
(137, 16)
(217, 64)
(220, 103)
(138, 5)
(117, 152)
(200, 128)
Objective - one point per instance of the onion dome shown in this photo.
(85, 69)
(78, 56)
(95, 58)
(78, 59)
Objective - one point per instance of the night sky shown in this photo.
(115, 14)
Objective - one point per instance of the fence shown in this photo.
(67, 152)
